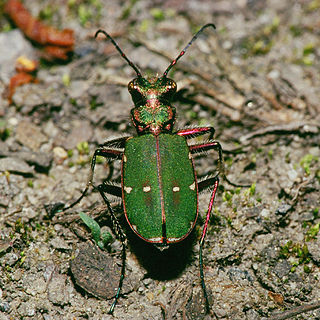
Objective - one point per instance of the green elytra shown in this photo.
(159, 187)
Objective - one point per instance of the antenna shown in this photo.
(120, 51)
(186, 47)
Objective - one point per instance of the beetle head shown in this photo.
(152, 97)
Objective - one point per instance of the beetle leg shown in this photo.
(118, 142)
(215, 145)
(111, 189)
(189, 133)
(215, 184)
(212, 181)
(102, 188)
(207, 183)
(106, 153)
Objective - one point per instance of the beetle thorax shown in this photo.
(153, 112)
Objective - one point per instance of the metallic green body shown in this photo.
(159, 187)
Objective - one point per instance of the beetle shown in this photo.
(159, 187)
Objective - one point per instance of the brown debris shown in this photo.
(25, 68)
(62, 41)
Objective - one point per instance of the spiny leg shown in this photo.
(215, 182)
(108, 153)
(189, 133)
(102, 188)
(198, 148)
(207, 183)
(118, 142)
(112, 189)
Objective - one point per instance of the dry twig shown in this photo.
(295, 311)
(293, 127)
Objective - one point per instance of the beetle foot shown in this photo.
(53, 208)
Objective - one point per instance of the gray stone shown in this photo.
(57, 290)
(15, 165)
(30, 135)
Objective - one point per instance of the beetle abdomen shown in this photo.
(159, 187)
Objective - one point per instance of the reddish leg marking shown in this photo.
(216, 183)
(201, 242)
(193, 132)
(205, 184)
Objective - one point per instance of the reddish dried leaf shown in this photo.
(53, 52)
(18, 80)
(276, 297)
(36, 30)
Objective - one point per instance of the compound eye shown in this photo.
(134, 89)
(131, 86)
(172, 86)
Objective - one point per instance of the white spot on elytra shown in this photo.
(175, 189)
(157, 240)
(125, 158)
(190, 156)
(192, 186)
(173, 239)
(127, 189)
(146, 189)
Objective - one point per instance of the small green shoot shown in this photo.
(127, 10)
(84, 13)
(70, 153)
(312, 232)
(158, 14)
(314, 5)
(308, 49)
(252, 189)
(101, 239)
(100, 160)
(296, 250)
(66, 79)
(273, 27)
(94, 103)
(296, 30)
(4, 131)
(306, 162)
(46, 13)
(83, 147)
(227, 196)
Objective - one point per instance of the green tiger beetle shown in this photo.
(159, 187)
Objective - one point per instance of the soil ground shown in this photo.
(255, 79)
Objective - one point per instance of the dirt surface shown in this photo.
(255, 79)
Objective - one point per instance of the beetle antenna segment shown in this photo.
(120, 51)
(186, 47)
